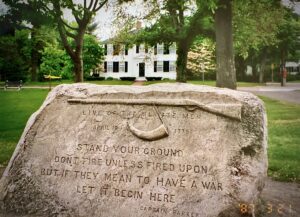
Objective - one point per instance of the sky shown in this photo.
(106, 15)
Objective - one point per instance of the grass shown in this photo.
(208, 83)
(113, 82)
(55, 83)
(283, 126)
(284, 140)
(159, 82)
(16, 107)
(239, 84)
(119, 82)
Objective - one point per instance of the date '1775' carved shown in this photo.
(162, 131)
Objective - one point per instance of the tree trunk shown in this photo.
(182, 53)
(262, 68)
(76, 55)
(78, 69)
(282, 65)
(226, 75)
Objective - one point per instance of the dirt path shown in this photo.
(138, 83)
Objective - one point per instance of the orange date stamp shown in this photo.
(268, 208)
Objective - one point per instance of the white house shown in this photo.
(293, 68)
(139, 61)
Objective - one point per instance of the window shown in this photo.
(172, 66)
(160, 49)
(110, 49)
(142, 48)
(105, 66)
(116, 67)
(172, 48)
(155, 66)
(137, 48)
(105, 49)
(116, 49)
(126, 49)
(126, 66)
(109, 66)
(155, 50)
(166, 49)
(122, 66)
(160, 66)
(166, 66)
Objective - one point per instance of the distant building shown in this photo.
(293, 68)
(139, 61)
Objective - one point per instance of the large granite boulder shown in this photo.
(173, 150)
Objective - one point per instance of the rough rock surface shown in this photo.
(122, 151)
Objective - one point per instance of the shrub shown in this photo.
(92, 78)
(153, 78)
(55, 62)
(109, 78)
(128, 78)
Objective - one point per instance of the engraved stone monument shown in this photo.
(172, 150)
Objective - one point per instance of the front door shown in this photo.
(141, 69)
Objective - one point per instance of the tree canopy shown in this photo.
(180, 22)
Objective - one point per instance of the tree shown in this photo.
(30, 11)
(226, 75)
(83, 15)
(288, 36)
(55, 60)
(256, 27)
(265, 32)
(181, 22)
(14, 56)
(201, 58)
(93, 54)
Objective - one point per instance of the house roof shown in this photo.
(291, 64)
(117, 39)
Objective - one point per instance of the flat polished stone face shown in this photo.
(161, 150)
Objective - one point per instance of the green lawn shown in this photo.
(239, 84)
(283, 126)
(284, 140)
(119, 82)
(208, 83)
(16, 107)
(55, 83)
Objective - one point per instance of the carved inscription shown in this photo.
(103, 163)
